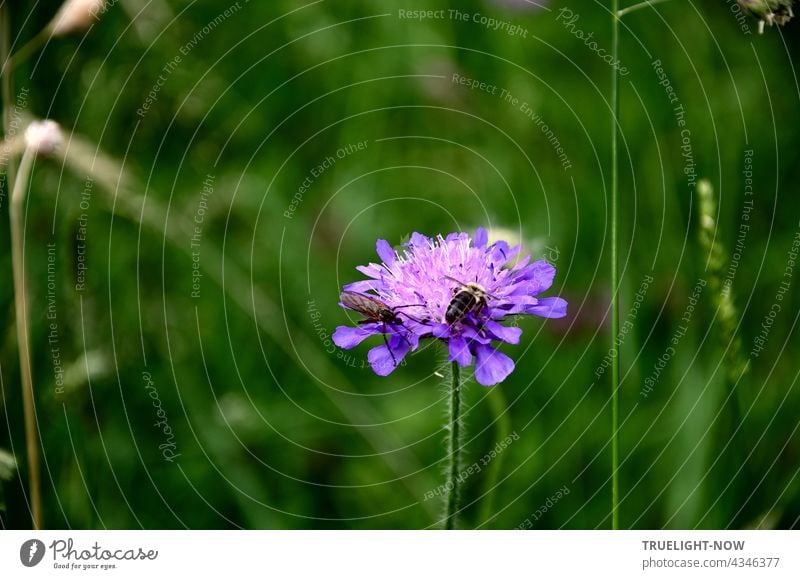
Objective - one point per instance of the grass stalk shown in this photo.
(17, 215)
(18, 189)
(615, 285)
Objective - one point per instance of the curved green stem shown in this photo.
(614, 268)
(20, 293)
(454, 450)
(28, 49)
(18, 188)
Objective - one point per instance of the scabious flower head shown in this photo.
(419, 283)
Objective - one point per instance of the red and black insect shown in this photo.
(376, 311)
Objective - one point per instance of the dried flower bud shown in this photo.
(769, 11)
(76, 16)
(43, 137)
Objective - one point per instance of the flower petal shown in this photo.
(481, 237)
(442, 331)
(549, 308)
(419, 241)
(459, 351)
(491, 366)
(347, 337)
(509, 334)
(500, 253)
(382, 361)
(512, 305)
(363, 286)
(474, 335)
(372, 270)
(419, 329)
(540, 276)
(385, 252)
(521, 263)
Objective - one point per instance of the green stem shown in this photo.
(614, 268)
(454, 450)
(18, 189)
(28, 400)
(28, 49)
(639, 6)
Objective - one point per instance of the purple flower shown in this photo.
(414, 289)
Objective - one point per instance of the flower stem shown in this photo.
(614, 268)
(454, 449)
(18, 264)
(28, 49)
(18, 188)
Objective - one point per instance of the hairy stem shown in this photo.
(615, 285)
(454, 450)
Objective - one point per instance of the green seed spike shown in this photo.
(723, 294)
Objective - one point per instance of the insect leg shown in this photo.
(386, 342)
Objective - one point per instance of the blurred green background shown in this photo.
(273, 427)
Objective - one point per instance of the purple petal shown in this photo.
(509, 334)
(501, 252)
(442, 331)
(372, 270)
(419, 329)
(521, 263)
(472, 334)
(347, 337)
(382, 361)
(549, 308)
(513, 305)
(491, 366)
(456, 236)
(459, 351)
(363, 286)
(481, 237)
(419, 241)
(540, 274)
(385, 252)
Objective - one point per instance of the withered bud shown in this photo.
(43, 137)
(768, 11)
(76, 16)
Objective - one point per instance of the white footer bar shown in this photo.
(401, 554)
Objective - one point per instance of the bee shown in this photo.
(470, 297)
(376, 311)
